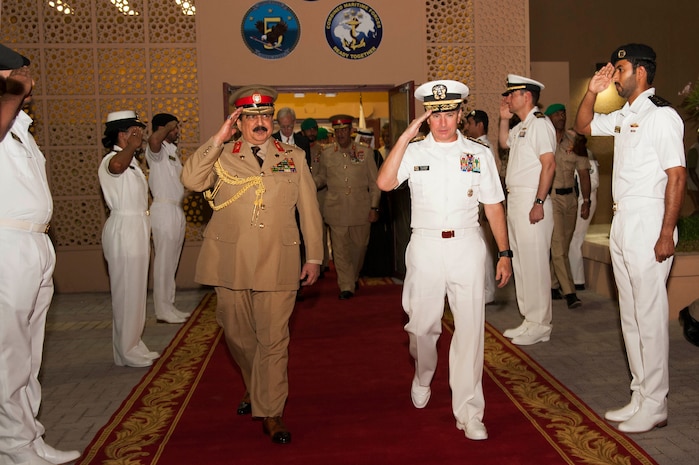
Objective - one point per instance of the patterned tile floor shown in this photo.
(82, 387)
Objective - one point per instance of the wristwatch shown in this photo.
(538, 201)
(505, 253)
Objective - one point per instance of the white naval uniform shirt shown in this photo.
(127, 191)
(528, 140)
(648, 139)
(441, 176)
(165, 170)
(24, 189)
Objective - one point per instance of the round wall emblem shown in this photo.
(270, 30)
(353, 30)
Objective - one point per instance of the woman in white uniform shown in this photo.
(126, 237)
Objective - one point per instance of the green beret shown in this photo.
(309, 123)
(322, 134)
(553, 108)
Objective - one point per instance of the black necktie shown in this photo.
(255, 149)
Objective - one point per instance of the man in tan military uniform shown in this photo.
(348, 170)
(250, 252)
(565, 204)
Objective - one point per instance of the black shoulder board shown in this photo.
(478, 141)
(659, 101)
(417, 138)
(539, 114)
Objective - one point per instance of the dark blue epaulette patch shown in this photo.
(659, 101)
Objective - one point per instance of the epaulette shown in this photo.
(477, 141)
(539, 114)
(417, 138)
(659, 101)
(278, 145)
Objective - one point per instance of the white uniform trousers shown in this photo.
(126, 246)
(531, 246)
(26, 289)
(643, 304)
(168, 226)
(455, 267)
(575, 255)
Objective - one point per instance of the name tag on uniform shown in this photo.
(171, 158)
(470, 163)
(421, 168)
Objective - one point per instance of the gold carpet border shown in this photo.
(163, 395)
(578, 434)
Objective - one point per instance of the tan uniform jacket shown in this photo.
(243, 252)
(567, 162)
(350, 175)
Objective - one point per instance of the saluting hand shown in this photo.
(135, 139)
(227, 128)
(601, 79)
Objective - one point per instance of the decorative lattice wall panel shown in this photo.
(93, 61)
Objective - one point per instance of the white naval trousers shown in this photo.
(531, 246)
(641, 284)
(168, 227)
(126, 246)
(26, 290)
(454, 267)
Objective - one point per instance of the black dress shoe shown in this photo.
(690, 326)
(572, 301)
(346, 295)
(556, 294)
(274, 428)
(245, 407)
(579, 287)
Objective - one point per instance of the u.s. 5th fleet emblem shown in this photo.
(353, 30)
(270, 29)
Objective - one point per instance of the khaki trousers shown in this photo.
(256, 327)
(565, 210)
(349, 246)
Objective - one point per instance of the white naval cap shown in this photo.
(119, 115)
(516, 82)
(442, 95)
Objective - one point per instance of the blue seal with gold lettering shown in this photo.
(271, 30)
(353, 30)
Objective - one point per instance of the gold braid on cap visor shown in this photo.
(245, 183)
(442, 105)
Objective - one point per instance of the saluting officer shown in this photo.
(251, 248)
(348, 170)
(529, 176)
(449, 175)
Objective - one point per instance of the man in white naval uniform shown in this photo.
(448, 176)
(166, 214)
(529, 177)
(126, 237)
(27, 261)
(648, 187)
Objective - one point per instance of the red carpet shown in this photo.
(349, 400)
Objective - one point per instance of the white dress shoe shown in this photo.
(627, 411)
(474, 430)
(533, 335)
(419, 394)
(28, 458)
(170, 317)
(646, 418)
(518, 331)
(54, 456)
(152, 355)
(181, 314)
